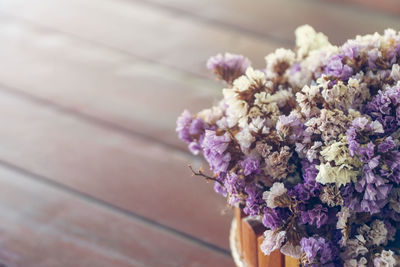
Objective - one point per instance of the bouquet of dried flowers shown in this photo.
(310, 145)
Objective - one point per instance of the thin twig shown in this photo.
(200, 173)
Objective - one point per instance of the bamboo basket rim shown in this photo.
(233, 241)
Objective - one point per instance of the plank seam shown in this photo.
(121, 50)
(91, 120)
(215, 22)
(121, 211)
(210, 21)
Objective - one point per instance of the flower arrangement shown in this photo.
(310, 146)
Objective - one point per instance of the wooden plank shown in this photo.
(114, 87)
(141, 30)
(291, 262)
(239, 215)
(44, 226)
(263, 260)
(131, 173)
(388, 6)
(251, 230)
(275, 259)
(277, 19)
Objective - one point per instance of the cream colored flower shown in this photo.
(395, 73)
(276, 190)
(338, 152)
(245, 139)
(340, 175)
(307, 39)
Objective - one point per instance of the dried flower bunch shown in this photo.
(310, 146)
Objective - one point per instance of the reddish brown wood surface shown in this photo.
(277, 19)
(89, 94)
(275, 259)
(387, 6)
(112, 88)
(291, 262)
(46, 226)
(251, 230)
(129, 172)
(178, 39)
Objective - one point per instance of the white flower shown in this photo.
(236, 108)
(241, 84)
(290, 250)
(276, 190)
(338, 153)
(312, 153)
(395, 73)
(245, 139)
(255, 75)
(377, 127)
(354, 263)
(354, 248)
(341, 175)
(341, 224)
(272, 241)
(307, 39)
(212, 115)
(280, 56)
(257, 124)
(385, 259)
(306, 100)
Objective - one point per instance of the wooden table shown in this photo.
(91, 171)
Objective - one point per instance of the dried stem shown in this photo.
(200, 173)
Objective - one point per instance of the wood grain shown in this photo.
(277, 19)
(263, 260)
(44, 226)
(130, 173)
(112, 88)
(275, 259)
(138, 29)
(251, 230)
(387, 6)
(291, 262)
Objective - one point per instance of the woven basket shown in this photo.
(245, 239)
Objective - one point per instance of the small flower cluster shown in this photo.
(310, 145)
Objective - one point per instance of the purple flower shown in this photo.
(305, 191)
(373, 55)
(351, 49)
(318, 250)
(309, 188)
(191, 130)
(309, 170)
(234, 186)
(387, 145)
(384, 107)
(214, 148)
(228, 67)
(291, 127)
(220, 189)
(359, 135)
(370, 193)
(317, 216)
(274, 218)
(254, 200)
(250, 165)
(336, 68)
(183, 124)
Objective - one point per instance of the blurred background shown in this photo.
(91, 170)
